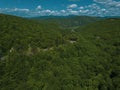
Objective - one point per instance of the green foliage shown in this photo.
(68, 21)
(42, 56)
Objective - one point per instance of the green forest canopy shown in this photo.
(43, 56)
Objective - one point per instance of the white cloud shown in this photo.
(72, 6)
(21, 10)
(110, 3)
(99, 8)
(103, 9)
(47, 11)
(63, 11)
(112, 7)
(84, 11)
(69, 9)
(73, 12)
(14, 10)
(39, 7)
(81, 7)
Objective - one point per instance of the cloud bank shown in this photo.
(97, 8)
(72, 6)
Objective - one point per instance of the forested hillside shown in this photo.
(68, 21)
(43, 56)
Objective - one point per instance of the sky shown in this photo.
(33, 8)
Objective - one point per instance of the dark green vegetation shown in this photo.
(68, 21)
(42, 56)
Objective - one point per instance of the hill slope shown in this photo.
(68, 21)
(19, 32)
(41, 56)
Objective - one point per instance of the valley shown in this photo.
(59, 53)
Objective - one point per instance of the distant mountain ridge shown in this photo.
(48, 17)
(68, 21)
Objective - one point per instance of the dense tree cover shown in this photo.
(41, 56)
(68, 21)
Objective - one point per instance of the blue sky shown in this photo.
(32, 8)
